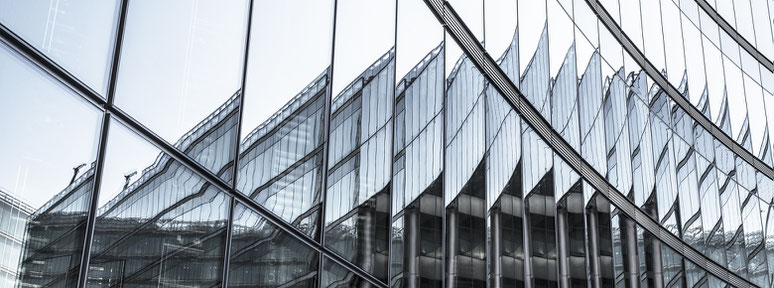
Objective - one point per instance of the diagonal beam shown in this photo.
(472, 47)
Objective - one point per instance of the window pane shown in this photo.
(417, 158)
(78, 35)
(158, 223)
(180, 74)
(264, 256)
(281, 151)
(359, 171)
(336, 276)
(47, 171)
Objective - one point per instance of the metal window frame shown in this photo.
(464, 37)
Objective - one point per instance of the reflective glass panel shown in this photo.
(180, 74)
(357, 211)
(264, 256)
(158, 223)
(46, 174)
(281, 150)
(78, 35)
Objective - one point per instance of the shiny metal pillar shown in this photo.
(527, 247)
(411, 250)
(654, 263)
(563, 246)
(595, 270)
(496, 268)
(451, 249)
(629, 245)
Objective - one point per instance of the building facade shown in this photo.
(15, 214)
(403, 143)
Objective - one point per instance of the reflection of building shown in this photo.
(54, 236)
(14, 214)
(430, 179)
(358, 198)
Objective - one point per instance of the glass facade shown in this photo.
(390, 143)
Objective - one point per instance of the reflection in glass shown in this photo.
(46, 175)
(166, 226)
(280, 160)
(504, 178)
(334, 275)
(570, 238)
(465, 179)
(281, 150)
(602, 272)
(541, 213)
(77, 35)
(418, 165)
(200, 45)
(357, 201)
(359, 170)
(264, 256)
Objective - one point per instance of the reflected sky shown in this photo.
(192, 82)
(38, 112)
(76, 34)
(365, 30)
(300, 50)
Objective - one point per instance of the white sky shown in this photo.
(180, 61)
(365, 30)
(46, 130)
(299, 51)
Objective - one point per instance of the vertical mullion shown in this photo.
(102, 147)
(92, 212)
(326, 132)
(235, 146)
(229, 229)
(443, 165)
(392, 145)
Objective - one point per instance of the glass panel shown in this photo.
(264, 256)
(357, 211)
(191, 98)
(540, 211)
(532, 21)
(162, 225)
(603, 263)
(78, 35)
(336, 276)
(673, 41)
(417, 203)
(281, 150)
(46, 175)
(501, 21)
(464, 177)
